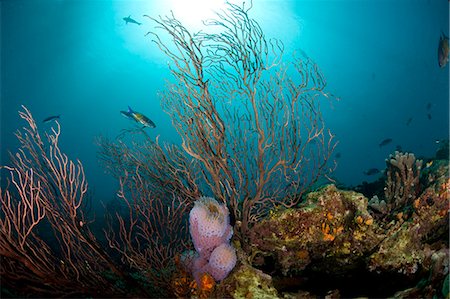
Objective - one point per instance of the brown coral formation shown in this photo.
(402, 183)
(336, 244)
(335, 232)
(332, 224)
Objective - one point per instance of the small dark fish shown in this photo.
(428, 106)
(408, 122)
(338, 155)
(429, 115)
(385, 142)
(50, 118)
(443, 51)
(372, 171)
(129, 19)
(398, 148)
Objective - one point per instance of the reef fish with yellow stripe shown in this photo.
(138, 117)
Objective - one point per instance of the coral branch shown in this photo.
(157, 189)
(402, 183)
(253, 122)
(47, 192)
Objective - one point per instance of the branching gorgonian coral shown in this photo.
(250, 120)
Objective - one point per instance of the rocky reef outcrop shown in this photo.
(341, 243)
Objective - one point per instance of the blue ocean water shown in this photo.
(81, 60)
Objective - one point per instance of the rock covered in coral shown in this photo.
(332, 225)
(335, 236)
(407, 245)
(247, 282)
(336, 232)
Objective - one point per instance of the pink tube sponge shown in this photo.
(209, 225)
(222, 261)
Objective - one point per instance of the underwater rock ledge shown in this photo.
(336, 245)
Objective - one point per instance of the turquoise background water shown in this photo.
(79, 59)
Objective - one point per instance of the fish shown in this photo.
(138, 117)
(429, 106)
(385, 142)
(338, 155)
(126, 114)
(372, 171)
(429, 116)
(129, 19)
(443, 50)
(428, 165)
(408, 122)
(50, 118)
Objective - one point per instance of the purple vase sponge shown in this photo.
(209, 225)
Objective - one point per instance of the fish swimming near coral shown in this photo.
(51, 118)
(443, 51)
(385, 142)
(372, 171)
(129, 19)
(138, 117)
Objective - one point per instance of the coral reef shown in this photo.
(247, 282)
(337, 235)
(411, 244)
(332, 225)
(335, 243)
(253, 135)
